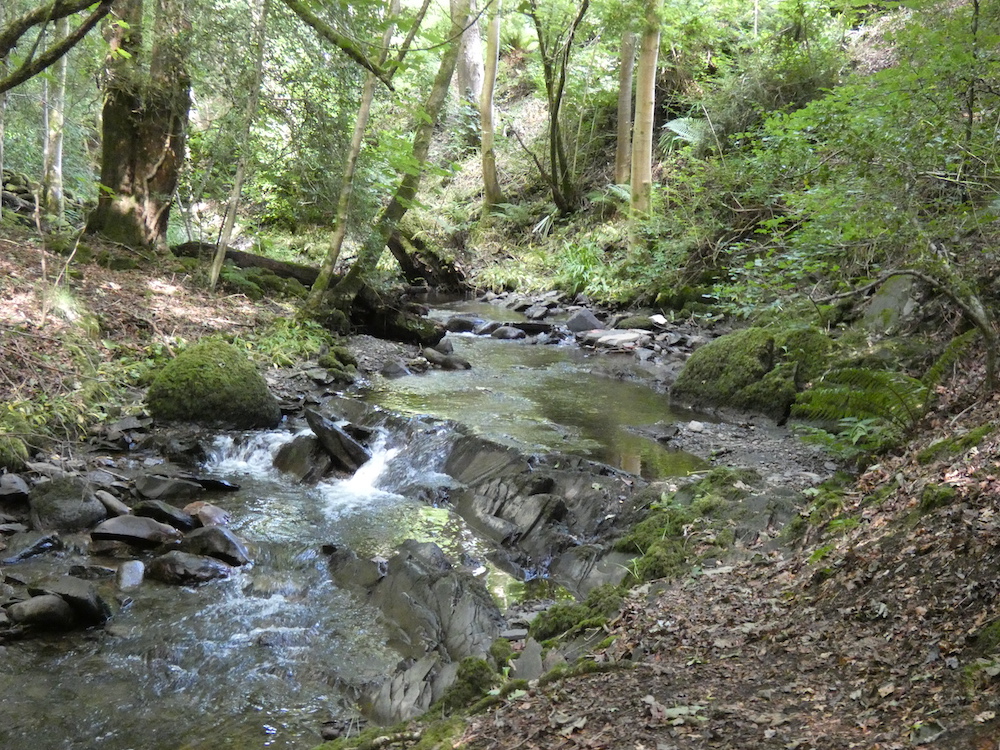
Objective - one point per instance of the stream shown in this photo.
(264, 658)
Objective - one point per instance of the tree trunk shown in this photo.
(645, 99)
(3, 106)
(492, 194)
(623, 150)
(144, 123)
(346, 290)
(55, 108)
(315, 299)
(249, 117)
(469, 71)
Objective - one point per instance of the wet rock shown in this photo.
(159, 487)
(463, 323)
(446, 361)
(394, 369)
(411, 691)
(82, 597)
(218, 542)
(33, 545)
(184, 568)
(350, 571)
(536, 312)
(508, 333)
(130, 575)
(346, 452)
(65, 505)
(433, 605)
(165, 513)
(47, 612)
(304, 459)
(12, 527)
(13, 487)
(136, 531)
(583, 320)
(207, 514)
(444, 346)
(112, 504)
(217, 485)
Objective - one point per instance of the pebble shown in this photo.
(695, 426)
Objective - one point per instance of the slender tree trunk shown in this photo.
(623, 150)
(645, 100)
(348, 287)
(55, 109)
(144, 124)
(492, 195)
(3, 103)
(314, 301)
(249, 117)
(469, 72)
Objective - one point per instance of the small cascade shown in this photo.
(252, 454)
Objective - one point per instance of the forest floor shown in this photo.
(878, 629)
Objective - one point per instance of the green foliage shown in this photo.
(287, 342)
(955, 445)
(861, 395)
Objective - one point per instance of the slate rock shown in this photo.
(207, 514)
(112, 504)
(165, 513)
(508, 333)
(158, 487)
(304, 459)
(583, 320)
(218, 542)
(32, 546)
(347, 452)
(136, 531)
(184, 568)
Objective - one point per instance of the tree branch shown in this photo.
(337, 39)
(33, 67)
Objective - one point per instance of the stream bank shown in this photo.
(261, 622)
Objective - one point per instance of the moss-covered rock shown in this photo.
(13, 453)
(756, 369)
(213, 384)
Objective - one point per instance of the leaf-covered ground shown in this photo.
(884, 636)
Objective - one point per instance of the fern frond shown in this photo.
(854, 393)
(951, 354)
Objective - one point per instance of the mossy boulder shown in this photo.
(213, 384)
(757, 369)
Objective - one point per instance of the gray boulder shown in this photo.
(130, 575)
(65, 505)
(47, 611)
(136, 531)
(218, 542)
(508, 333)
(583, 320)
(80, 595)
(304, 459)
(184, 568)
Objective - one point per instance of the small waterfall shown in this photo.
(252, 454)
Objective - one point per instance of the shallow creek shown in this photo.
(261, 660)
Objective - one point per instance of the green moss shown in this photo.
(501, 651)
(213, 384)
(936, 496)
(571, 617)
(474, 680)
(756, 369)
(238, 282)
(13, 453)
(955, 445)
(640, 322)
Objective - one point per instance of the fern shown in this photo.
(951, 354)
(854, 393)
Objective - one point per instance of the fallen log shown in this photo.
(305, 275)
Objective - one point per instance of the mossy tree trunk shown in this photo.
(344, 293)
(144, 124)
(645, 101)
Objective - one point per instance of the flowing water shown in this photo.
(262, 659)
